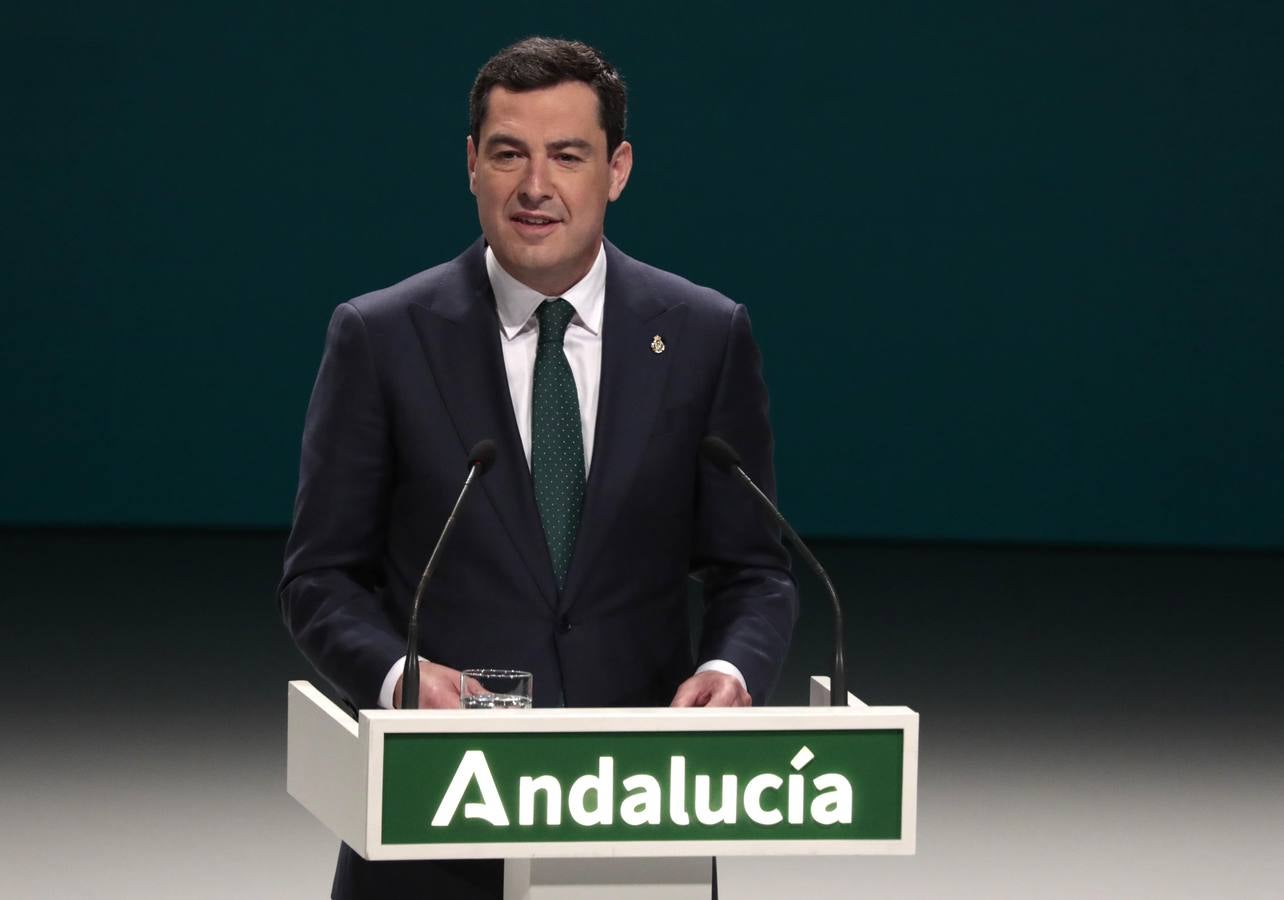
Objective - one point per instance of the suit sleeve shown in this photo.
(751, 599)
(330, 592)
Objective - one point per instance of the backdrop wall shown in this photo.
(1016, 272)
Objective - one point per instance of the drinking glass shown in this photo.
(494, 689)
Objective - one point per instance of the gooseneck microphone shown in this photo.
(722, 455)
(479, 460)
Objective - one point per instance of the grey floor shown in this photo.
(1094, 723)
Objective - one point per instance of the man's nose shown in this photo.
(535, 188)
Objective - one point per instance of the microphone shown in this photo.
(480, 459)
(724, 457)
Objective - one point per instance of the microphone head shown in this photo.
(719, 452)
(482, 455)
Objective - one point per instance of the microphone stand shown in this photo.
(838, 672)
(479, 460)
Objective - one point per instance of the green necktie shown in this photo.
(557, 446)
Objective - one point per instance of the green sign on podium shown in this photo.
(642, 786)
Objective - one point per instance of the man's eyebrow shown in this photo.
(569, 144)
(501, 138)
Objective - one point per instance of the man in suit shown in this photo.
(597, 376)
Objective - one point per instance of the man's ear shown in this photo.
(621, 165)
(472, 166)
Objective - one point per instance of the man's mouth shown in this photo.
(534, 220)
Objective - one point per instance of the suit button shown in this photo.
(563, 625)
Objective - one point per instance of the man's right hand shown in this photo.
(438, 687)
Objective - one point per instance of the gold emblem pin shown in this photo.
(657, 344)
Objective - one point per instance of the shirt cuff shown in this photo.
(390, 683)
(726, 668)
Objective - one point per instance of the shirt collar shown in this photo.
(516, 303)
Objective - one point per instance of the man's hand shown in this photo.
(438, 687)
(711, 689)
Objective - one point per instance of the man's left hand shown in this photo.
(711, 689)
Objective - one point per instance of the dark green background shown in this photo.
(419, 767)
(1016, 270)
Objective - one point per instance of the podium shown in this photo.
(609, 802)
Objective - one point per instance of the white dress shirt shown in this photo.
(519, 338)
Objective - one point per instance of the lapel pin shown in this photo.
(657, 344)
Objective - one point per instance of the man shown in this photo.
(596, 376)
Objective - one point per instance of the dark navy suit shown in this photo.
(411, 378)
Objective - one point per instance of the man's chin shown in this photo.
(545, 267)
(536, 260)
(536, 270)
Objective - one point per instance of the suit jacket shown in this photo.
(413, 376)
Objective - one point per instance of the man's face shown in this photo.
(542, 181)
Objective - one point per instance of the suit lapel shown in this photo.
(632, 385)
(459, 331)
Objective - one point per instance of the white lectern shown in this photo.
(609, 802)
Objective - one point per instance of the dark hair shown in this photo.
(539, 62)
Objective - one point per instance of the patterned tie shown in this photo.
(557, 445)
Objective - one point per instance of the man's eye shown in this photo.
(506, 155)
(567, 158)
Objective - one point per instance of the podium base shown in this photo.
(678, 878)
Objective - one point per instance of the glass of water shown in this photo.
(494, 689)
